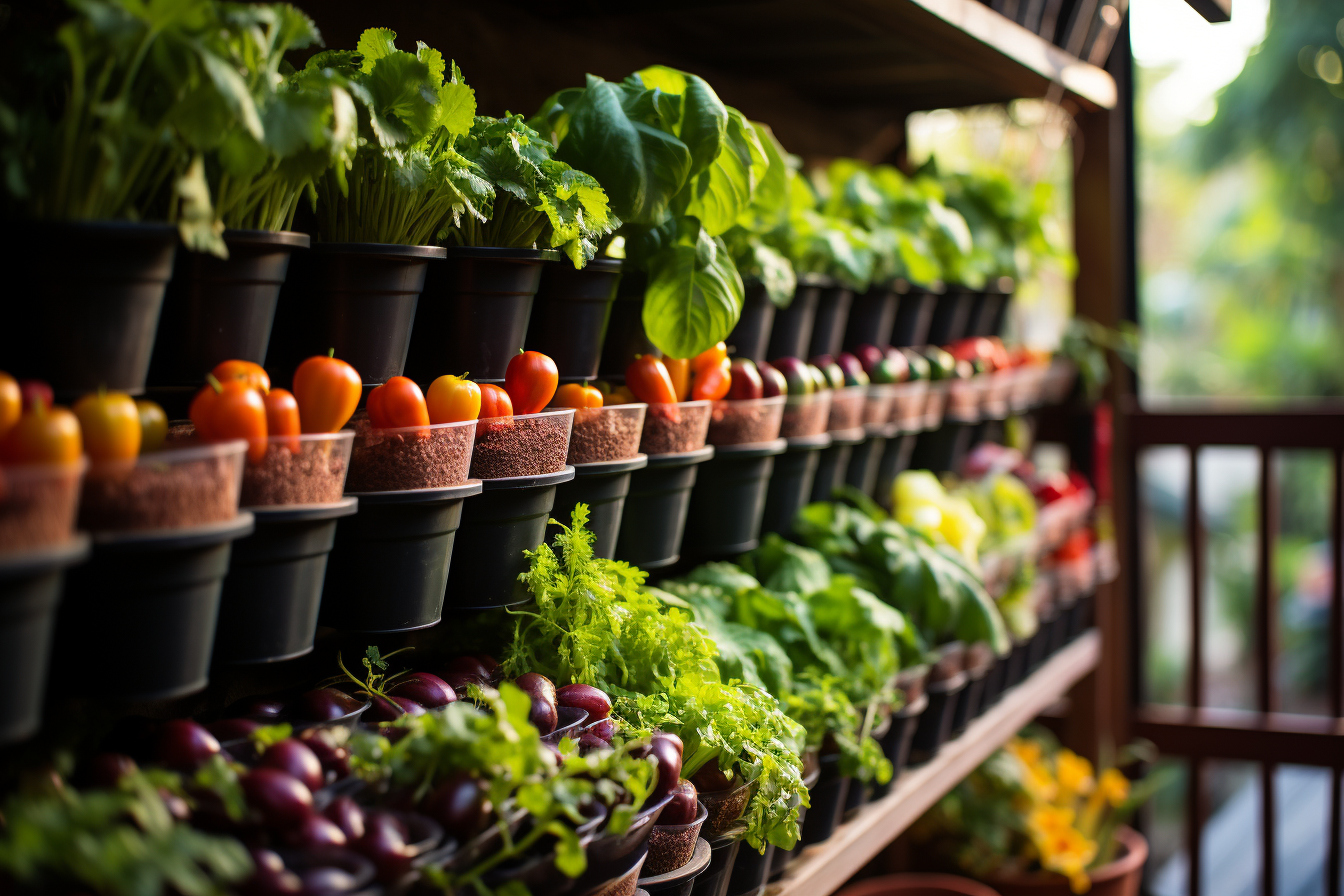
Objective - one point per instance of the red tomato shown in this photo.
(397, 403)
(42, 435)
(530, 380)
(249, 372)
(714, 381)
(282, 417)
(231, 410)
(495, 402)
(648, 379)
(328, 391)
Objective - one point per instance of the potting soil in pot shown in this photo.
(606, 434)
(746, 422)
(390, 460)
(315, 474)
(169, 489)
(38, 504)
(805, 415)
(675, 428)
(907, 407)
(527, 445)
(878, 403)
(846, 408)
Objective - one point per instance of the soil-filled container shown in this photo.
(964, 399)
(942, 449)
(914, 314)
(791, 334)
(846, 408)
(657, 505)
(474, 313)
(947, 679)
(879, 404)
(523, 445)
(507, 518)
(308, 470)
(827, 802)
(872, 316)
(723, 852)
(790, 486)
(30, 591)
(187, 484)
(410, 457)
(603, 486)
(389, 566)
(91, 296)
(679, 881)
(828, 328)
(612, 856)
(980, 660)
(605, 434)
(750, 871)
(909, 401)
(217, 309)
(357, 298)
(806, 415)
(894, 461)
(725, 808)
(751, 336)
(833, 465)
(864, 462)
(38, 505)
(728, 501)
(268, 610)
(951, 316)
(675, 428)
(570, 312)
(145, 605)
(748, 421)
(673, 846)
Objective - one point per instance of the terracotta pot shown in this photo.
(1118, 878)
(918, 885)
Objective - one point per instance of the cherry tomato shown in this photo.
(397, 403)
(43, 435)
(495, 402)
(153, 424)
(328, 391)
(745, 380)
(249, 372)
(530, 380)
(679, 369)
(110, 425)
(282, 417)
(453, 399)
(648, 380)
(32, 390)
(577, 395)
(710, 357)
(231, 410)
(11, 402)
(713, 381)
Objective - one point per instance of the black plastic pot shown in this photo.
(681, 881)
(750, 871)
(570, 312)
(914, 314)
(390, 564)
(728, 501)
(30, 591)
(828, 330)
(1038, 649)
(625, 327)
(989, 314)
(856, 797)
(473, 316)
(833, 465)
(1059, 629)
(218, 309)
(357, 298)
(895, 460)
(942, 449)
(790, 486)
(723, 852)
(507, 518)
(657, 507)
(976, 308)
(138, 619)
(971, 699)
(751, 336)
(872, 317)
(603, 487)
(898, 740)
(1080, 616)
(268, 611)
(935, 723)
(951, 316)
(864, 463)
(995, 682)
(827, 800)
(791, 333)
(1017, 664)
(611, 856)
(85, 303)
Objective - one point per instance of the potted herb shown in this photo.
(380, 208)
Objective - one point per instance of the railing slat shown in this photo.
(1268, 824)
(1332, 860)
(1265, 643)
(1194, 539)
(1194, 825)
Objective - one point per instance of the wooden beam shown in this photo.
(1243, 734)
(1213, 10)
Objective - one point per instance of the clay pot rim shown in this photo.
(1134, 856)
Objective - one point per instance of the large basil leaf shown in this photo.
(694, 296)
(699, 117)
(722, 192)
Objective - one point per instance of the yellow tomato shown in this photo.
(42, 435)
(110, 423)
(453, 399)
(153, 425)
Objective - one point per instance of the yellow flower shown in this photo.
(1028, 752)
(1114, 786)
(1067, 852)
(1074, 773)
(1048, 820)
(1040, 784)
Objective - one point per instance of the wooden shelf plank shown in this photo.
(826, 867)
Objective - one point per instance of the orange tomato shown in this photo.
(42, 435)
(619, 395)
(495, 402)
(328, 391)
(647, 379)
(530, 380)
(397, 403)
(249, 372)
(679, 370)
(453, 399)
(711, 357)
(231, 410)
(110, 424)
(11, 402)
(577, 395)
(153, 425)
(282, 417)
(713, 381)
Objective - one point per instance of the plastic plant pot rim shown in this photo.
(809, 443)
(850, 437)
(751, 450)
(420, 495)
(149, 230)
(701, 816)
(340, 435)
(914, 708)
(430, 428)
(49, 557)
(395, 251)
(603, 265)
(187, 452)
(698, 863)
(294, 513)
(947, 685)
(290, 238)
(882, 430)
(30, 472)
(611, 467)
(548, 412)
(539, 481)
(681, 459)
(169, 539)
(497, 253)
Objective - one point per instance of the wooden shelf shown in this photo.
(826, 867)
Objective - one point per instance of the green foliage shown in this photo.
(819, 243)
